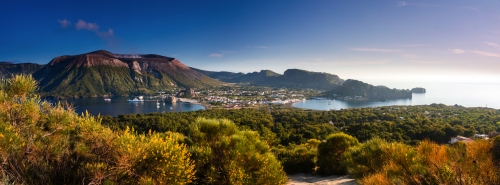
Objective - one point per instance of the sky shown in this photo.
(376, 41)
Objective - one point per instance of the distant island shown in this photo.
(358, 90)
(418, 90)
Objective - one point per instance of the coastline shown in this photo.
(193, 101)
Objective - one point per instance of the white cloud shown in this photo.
(217, 55)
(81, 24)
(64, 23)
(477, 52)
(457, 51)
(110, 32)
(486, 54)
(491, 44)
(381, 50)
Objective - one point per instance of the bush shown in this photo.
(367, 158)
(331, 151)
(45, 144)
(298, 158)
(225, 155)
(428, 163)
(152, 159)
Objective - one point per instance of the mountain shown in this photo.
(101, 72)
(292, 78)
(359, 88)
(8, 69)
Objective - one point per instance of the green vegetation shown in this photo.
(331, 151)
(225, 155)
(380, 162)
(8, 69)
(45, 144)
(295, 134)
(292, 78)
(42, 143)
(353, 88)
(100, 73)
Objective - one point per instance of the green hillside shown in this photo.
(8, 69)
(102, 73)
(292, 78)
(359, 88)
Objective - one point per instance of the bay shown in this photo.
(119, 105)
(464, 94)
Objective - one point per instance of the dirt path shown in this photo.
(307, 179)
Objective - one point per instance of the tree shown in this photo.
(331, 151)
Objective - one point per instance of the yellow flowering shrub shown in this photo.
(225, 155)
(153, 158)
(42, 143)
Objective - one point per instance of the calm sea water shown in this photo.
(120, 105)
(464, 94)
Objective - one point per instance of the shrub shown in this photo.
(331, 151)
(298, 158)
(367, 158)
(152, 159)
(428, 163)
(225, 155)
(41, 143)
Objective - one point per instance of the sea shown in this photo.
(120, 105)
(463, 94)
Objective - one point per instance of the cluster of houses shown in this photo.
(281, 96)
(466, 139)
(232, 103)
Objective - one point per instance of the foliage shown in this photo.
(367, 158)
(298, 158)
(152, 158)
(359, 88)
(292, 78)
(42, 143)
(225, 155)
(428, 163)
(331, 151)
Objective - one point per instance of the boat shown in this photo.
(135, 100)
(171, 108)
(107, 99)
(157, 103)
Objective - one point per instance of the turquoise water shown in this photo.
(464, 94)
(120, 105)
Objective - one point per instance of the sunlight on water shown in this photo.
(464, 94)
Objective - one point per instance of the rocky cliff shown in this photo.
(102, 72)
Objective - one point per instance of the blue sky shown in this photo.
(374, 41)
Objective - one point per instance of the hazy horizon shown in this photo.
(379, 42)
